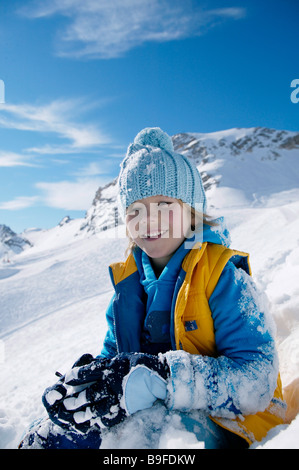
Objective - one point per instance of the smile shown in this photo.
(153, 235)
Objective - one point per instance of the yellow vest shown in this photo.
(203, 268)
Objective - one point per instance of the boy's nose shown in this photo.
(149, 222)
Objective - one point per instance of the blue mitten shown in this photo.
(142, 386)
(105, 391)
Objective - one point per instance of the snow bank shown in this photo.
(151, 429)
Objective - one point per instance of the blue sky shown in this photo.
(82, 77)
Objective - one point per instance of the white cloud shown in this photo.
(19, 203)
(58, 118)
(92, 169)
(74, 195)
(11, 159)
(62, 120)
(109, 28)
(70, 195)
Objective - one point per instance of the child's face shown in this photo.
(158, 225)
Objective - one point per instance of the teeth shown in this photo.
(154, 234)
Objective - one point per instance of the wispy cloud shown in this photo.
(11, 159)
(91, 170)
(70, 195)
(19, 203)
(76, 194)
(60, 118)
(61, 126)
(109, 28)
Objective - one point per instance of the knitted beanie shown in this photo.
(152, 167)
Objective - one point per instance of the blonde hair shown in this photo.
(197, 221)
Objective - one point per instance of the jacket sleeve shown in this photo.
(242, 378)
(109, 348)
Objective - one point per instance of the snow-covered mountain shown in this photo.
(103, 213)
(53, 295)
(237, 166)
(254, 162)
(11, 243)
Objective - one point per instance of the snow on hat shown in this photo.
(152, 167)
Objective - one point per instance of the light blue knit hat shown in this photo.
(152, 167)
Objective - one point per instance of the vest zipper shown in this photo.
(178, 285)
(114, 327)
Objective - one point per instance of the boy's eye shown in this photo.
(164, 203)
(133, 212)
